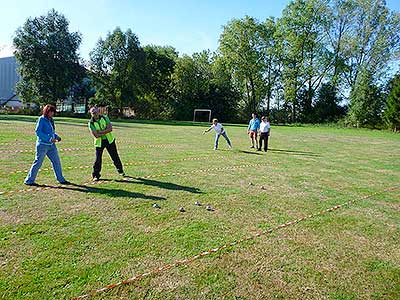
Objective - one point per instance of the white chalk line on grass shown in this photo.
(65, 141)
(137, 163)
(252, 236)
(42, 188)
(92, 148)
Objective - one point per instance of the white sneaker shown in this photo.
(215, 148)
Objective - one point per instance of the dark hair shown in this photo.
(47, 109)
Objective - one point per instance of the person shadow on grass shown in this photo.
(110, 192)
(160, 184)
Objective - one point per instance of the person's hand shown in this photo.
(53, 140)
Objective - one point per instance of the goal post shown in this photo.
(200, 110)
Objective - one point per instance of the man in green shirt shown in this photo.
(101, 128)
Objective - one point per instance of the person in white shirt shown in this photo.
(219, 130)
(265, 130)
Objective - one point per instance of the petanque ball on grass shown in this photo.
(209, 208)
(155, 205)
(181, 209)
(197, 203)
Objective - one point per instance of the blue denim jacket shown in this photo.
(45, 131)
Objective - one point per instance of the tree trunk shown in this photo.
(253, 93)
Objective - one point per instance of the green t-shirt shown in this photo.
(101, 125)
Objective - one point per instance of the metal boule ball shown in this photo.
(209, 208)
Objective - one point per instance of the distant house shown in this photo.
(8, 80)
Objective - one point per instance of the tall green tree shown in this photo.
(47, 54)
(372, 41)
(301, 32)
(118, 64)
(272, 57)
(156, 102)
(204, 81)
(241, 47)
(367, 102)
(392, 109)
(340, 17)
(327, 104)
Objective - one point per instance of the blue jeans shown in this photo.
(41, 151)
(217, 138)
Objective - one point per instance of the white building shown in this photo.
(8, 79)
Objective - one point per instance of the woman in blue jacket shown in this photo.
(46, 145)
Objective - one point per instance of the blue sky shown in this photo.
(188, 25)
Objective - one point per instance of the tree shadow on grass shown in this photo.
(160, 184)
(114, 193)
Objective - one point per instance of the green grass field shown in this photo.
(60, 243)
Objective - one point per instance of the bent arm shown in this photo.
(39, 132)
(105, 131)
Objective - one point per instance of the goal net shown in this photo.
(202, 115)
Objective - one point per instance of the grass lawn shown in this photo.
(60, 243)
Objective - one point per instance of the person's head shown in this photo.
(264, 119)
(215, 121)
(49, 111)
(254, 115)
(94, 112)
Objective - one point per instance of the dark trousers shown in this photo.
(112, 150)
(263, 139)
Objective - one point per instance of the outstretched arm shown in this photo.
(207, 130)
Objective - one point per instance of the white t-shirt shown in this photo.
(264, 126)
(218, 128)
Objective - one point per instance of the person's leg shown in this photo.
(260, 142)
(252, 138)
(256, 139)
(216, 141)
(97, 162)
(41, 151)
(266, 142)
(112, 150)
(52, 154)
(227, 139)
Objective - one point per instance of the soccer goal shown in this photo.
(201, 114)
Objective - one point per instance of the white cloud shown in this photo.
(6, 51)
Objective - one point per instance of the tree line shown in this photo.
(321, 61)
